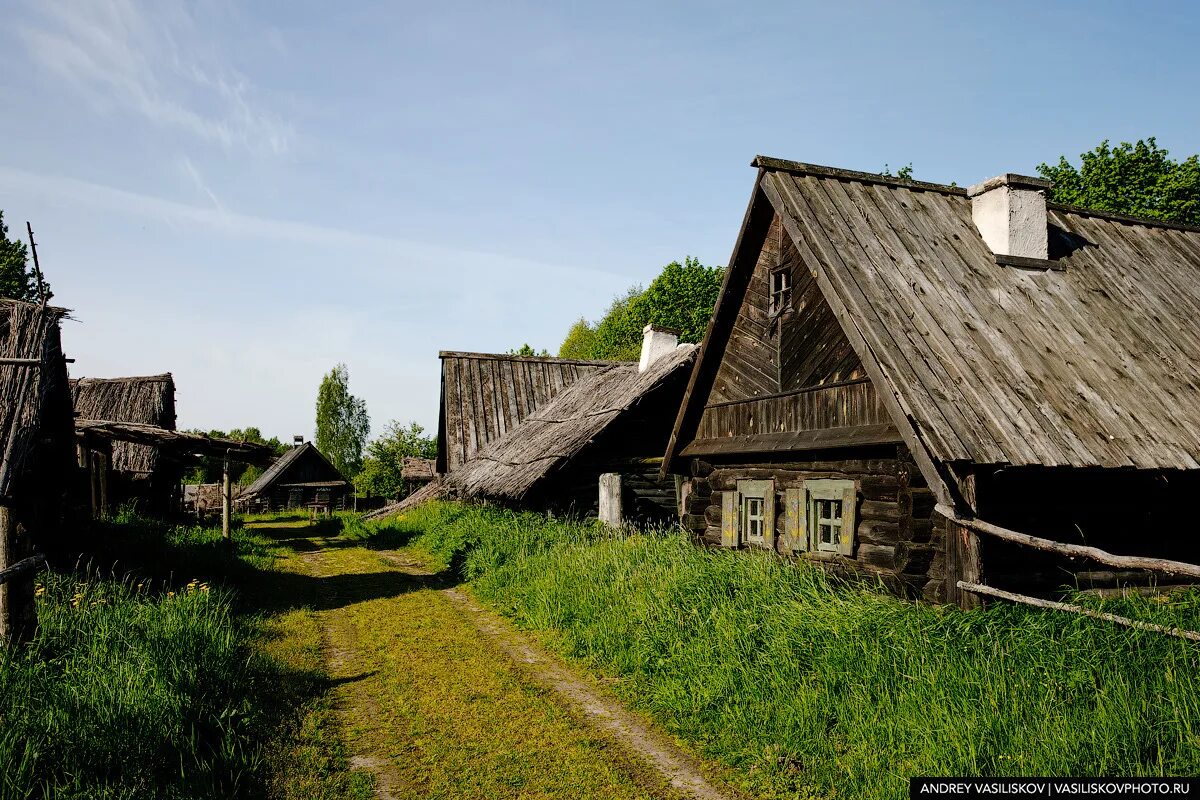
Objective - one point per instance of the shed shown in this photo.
(485, 395)
(140, 472)
(36, 463)
(894, 367)
(301, 477)
(614, 421)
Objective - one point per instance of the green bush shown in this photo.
(807, 685)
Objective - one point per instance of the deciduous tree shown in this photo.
(381, 470)
(342, 422)
(17, 279)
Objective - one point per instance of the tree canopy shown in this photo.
(17, 279)
(527, 350)
(342, 422)
(1138, 179)
(380, 475)
(681, 297)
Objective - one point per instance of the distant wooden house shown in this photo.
(485, 395)
(900, 376)
(300, 478)
(416, 472)
(36, 452)
(139, 473)
(613, 421)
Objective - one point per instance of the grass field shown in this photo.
(806, 687)
(153, 674)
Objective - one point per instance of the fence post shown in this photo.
(225, 504)
(18, 609)
(610, 499)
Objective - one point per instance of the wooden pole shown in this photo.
(37, 267)
(1074, 609)
(18, 608)
(962, 553)
(226, 504)
(1072, 550)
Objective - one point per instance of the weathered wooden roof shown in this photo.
(485, 395)
(180, 444)
(279, 469)
(146, 399)
(1095, 363)
(556, 433)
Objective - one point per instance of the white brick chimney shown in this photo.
(1010, 213)
(657, 341)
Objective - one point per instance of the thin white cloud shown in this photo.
(220, 219)
(201, 184)
(155, 61)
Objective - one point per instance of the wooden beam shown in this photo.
(965, 544)
(1071, 550)
(784, 441)
(20, 362)
(1024, 599)
(21, 567)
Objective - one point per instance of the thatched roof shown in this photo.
(27, 390)
(149, 400)
(1094, 362)
(559, 431)
(413, 468)
(437, 489)
(291, 465)
(485, 395)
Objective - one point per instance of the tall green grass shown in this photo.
(806, 686)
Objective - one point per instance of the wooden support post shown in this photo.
(18, 608)
(610, 499)
(105, 468)
(962, 555)
(226, 504)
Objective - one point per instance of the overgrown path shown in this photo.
(440, 697)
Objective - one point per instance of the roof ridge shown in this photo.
(802, 168)
(514, 357)
(1117, 216)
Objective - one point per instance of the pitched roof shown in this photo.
(1094, 363)
(28, 331)
(556, 433)
(145, 399)
(484, 395)
(277, 469)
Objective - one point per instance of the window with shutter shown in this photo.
(756, 513)
(831, 515)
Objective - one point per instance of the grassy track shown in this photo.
(430, 708)
(805, 687)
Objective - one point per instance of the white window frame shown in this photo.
(781, 297)
(826, 507)
(751, 495)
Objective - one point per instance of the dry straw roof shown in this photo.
(148, 400)
(180, 444)
(413, 468)
(556, 433)
(26, 332)
(1095, 363)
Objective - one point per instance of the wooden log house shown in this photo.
(300, 478)
(892, 362)
(613, 422)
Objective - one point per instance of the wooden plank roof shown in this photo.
(1093, 364)
(272, 474)
(556, 433)
(485, 395)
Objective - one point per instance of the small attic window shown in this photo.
(781, 290)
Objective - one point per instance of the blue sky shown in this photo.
(247, 194)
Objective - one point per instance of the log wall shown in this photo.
(896, 538)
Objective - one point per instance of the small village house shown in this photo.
(36, 452)
(139, 473)
(902, 378)
(300, 478)
(593, 448)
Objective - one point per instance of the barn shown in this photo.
(300, 478)
(948, 389)
(594, 449)
(37, 462)
(140, 473)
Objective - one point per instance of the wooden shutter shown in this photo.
(795, 517)
(849, 517)
(769, 516)
(729, 519)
